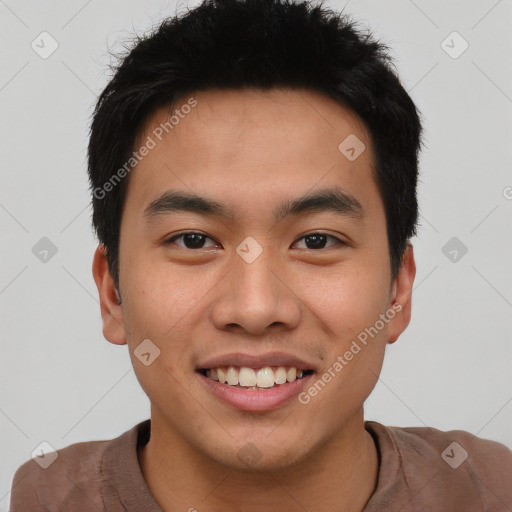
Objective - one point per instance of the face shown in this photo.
(280, 262)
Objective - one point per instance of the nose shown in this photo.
(256, 298)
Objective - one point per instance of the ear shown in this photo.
(110, 304)
(401, 295)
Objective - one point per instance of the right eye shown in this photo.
(190, 240)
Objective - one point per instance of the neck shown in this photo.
(341, 475)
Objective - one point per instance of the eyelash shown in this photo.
(175, 237)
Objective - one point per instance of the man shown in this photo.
(253, 166)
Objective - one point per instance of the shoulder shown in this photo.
(455, 466)
(77, 477)
(457, 448)
(36, 485)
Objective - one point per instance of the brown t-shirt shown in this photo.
(420, 469)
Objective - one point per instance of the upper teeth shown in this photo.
(249, 377)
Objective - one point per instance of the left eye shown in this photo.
(318, 241)
(191, 240)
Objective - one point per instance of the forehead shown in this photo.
(250, 146)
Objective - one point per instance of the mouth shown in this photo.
(255, 379)
(255, 389)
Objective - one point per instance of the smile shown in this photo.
(254, 378)
(255, 389)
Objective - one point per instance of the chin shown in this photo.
(258, 454)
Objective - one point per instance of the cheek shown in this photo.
(350, 305)
(157, 307)
(159, 298)
(346, 300)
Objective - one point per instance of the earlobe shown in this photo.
(110, 301)
(401, 297)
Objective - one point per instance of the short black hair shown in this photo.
(261, 44)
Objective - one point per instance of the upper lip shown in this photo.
(256, 361)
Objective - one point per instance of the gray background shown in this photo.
(61, 382)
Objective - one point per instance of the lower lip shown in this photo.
(255, 400)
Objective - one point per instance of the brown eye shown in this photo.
(190, 240)
(318, 241)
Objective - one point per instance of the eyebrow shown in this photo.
(332, 200)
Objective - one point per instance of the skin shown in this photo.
(251, 150)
